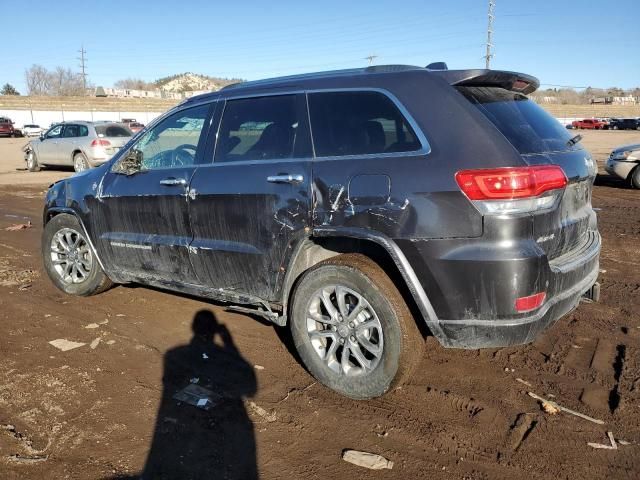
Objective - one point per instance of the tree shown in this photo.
(38, 80)
(134, 84)
(64, 82)
(9, 89)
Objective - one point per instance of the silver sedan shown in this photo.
(624, 162)
(80, 145)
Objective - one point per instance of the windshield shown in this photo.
(526, 125)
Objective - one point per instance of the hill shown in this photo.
(192, 82)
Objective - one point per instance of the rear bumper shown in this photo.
(572, 276)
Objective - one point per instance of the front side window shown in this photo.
(55, 132)
(263, 128)
(171, 143)
(358, 123)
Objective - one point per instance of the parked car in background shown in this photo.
(624, 124)
(589, 124)
(624, 163)
(76, 144)
(32, 130)
(135, 126)
(317, 202)
(6, 127)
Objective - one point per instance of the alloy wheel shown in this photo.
(71, 256)
(344, 330)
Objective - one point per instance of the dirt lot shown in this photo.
(103, 409)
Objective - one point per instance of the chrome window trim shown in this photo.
(425, 145)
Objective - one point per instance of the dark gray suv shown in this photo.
(363, 209)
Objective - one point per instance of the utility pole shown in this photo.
(371, 58)
(489, 55)
(83, 67)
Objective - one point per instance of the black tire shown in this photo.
(80, 163)
(402, 343)
(635, 177)
(32, 164)
(95, 281)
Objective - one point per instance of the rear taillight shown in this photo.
(532, 302)
(513, 189)
(100, 142)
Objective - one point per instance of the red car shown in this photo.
(6, 127)
(589, 124)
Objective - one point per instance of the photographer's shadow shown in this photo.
(193, 443)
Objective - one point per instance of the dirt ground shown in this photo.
(105, 409)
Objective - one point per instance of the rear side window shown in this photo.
(262, 128)
(358, 123)
(526, 125)
(112, 131)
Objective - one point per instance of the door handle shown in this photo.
(288, 178)
(172, 182)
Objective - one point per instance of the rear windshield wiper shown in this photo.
(572, 141)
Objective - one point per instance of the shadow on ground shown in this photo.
(194, 443)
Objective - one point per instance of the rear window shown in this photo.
(113, 131)
(358, 123)
(526, 125)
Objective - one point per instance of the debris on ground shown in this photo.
(92, 325)
(65, 345)
(368, 460)
(33, 459)
(25, 286)
(553, 404)
(550, 408)
(111, 342)
(95, 343)
(524, 382)
(612, 446)
(258, 367)
(261, 412)
(205, 356)
(18, 226)
(198, 396)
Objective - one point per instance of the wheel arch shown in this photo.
(329, 242)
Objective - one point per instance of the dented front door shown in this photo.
(141, 223)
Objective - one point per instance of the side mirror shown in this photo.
(41, 137)
(130, 164)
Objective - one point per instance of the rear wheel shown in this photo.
(80, 163)
(69, 259)
(352, 328)
(32, 162)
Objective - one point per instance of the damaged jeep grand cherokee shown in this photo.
(362, 209)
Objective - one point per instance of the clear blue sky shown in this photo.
(577, 43)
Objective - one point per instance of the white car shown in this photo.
(624, 162)
(32, 130)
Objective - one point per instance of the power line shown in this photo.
(83, 62)
(489, 55)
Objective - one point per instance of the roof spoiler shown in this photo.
(517, 82)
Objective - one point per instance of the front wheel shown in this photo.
(69, 260)
(635, 177)
(352, 328)
(32, 162)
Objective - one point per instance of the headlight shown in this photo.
(622, 155)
